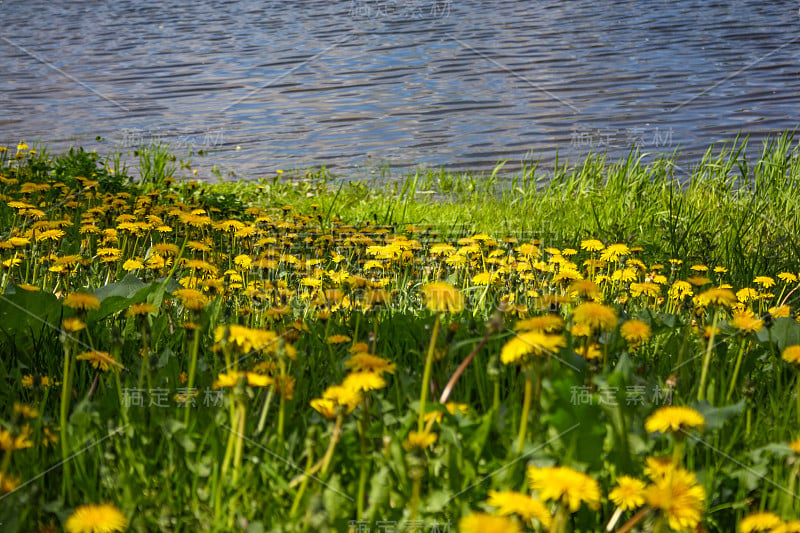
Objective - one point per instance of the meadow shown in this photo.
(610, 346)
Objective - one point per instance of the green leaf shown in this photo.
(26, 317)
(716, 417)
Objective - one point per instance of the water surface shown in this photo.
(356, 85)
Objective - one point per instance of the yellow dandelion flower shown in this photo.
(141, 309)
(82, 301)
(635, 332)
(363, 381)
(674, 418)
(791, 354)
(528, 343)
(441, 297)
(765, 281)
(716, 296)
(73, 324)
(596, 316)
(592, 245)
(792, 526)
(628, 494)
(565, 485)
(337, 339)
(486, 523)
(580, 330)
(132, 264)
(546, 323)
(192, 298)
(780, 311)
(764, 521)
(100, 360)
(419, 440)
(366, 362)
(747, 322)
(585, 289)
(510, 502)
(592, 352)
(96, 518)
(614, 251)
(787, 277)
(678, 497)
(8, 483)
(11, 442)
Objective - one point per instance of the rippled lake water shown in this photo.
(359, 84)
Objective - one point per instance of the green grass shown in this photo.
(237, 465)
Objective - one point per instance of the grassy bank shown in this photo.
(610, 347)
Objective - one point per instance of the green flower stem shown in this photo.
(240, 429)
(364, 468)
(263, 418)
(701, 393)
(736, 368)
(66, 390)
(426, 376)
(192, 370)
(526, 407)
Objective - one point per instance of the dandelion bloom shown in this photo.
(673, 418)
(245, 339)
(628, 494)
(795, 446)
(363, 381)
(141, 309)
(592, 245)
(192, 298)
(595, 315)
(747, 322)
(764, 281)
(791, 354)
(635, 332)
(441, 297)
(548, 323)
(100, 360)
(82, 301)
(73, 324)
(419, 440)
(8, 483)
(765, 521)
(678, 497)
(337, 339)
(716, 296)
(9, 442)
(366, 362)
(96, 518)
(792, 526)
(486, 523)
(565, 485)
(614, 251)
(535, 343)
(526, 507)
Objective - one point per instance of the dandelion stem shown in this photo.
(701, 393)
(526, 407)
(426, 376)
(192, 369)
(736, 368)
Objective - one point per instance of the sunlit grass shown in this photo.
(304, 353)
